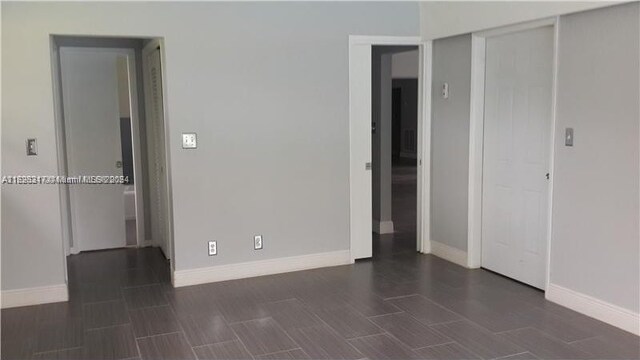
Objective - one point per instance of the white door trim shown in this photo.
(476, 138)
(424, 136)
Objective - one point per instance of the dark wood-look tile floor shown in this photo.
(398, 305)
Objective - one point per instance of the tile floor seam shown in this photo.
(184, 333)
(585, 339)
(242, 342)
(135, 340)
(56, 350)
(430, 346)
(106, 327)
(506, 356)
(155, 335)
(101, 302)
(280, 351)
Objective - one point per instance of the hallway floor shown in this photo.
(403, 212)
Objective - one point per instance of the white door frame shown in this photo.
(476, 138)
(67, 224)
(424, 138)
(159, 43)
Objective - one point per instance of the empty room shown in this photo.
(320, 180)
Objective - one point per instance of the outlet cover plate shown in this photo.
(189, 141)
(257, 242)
(213, 248)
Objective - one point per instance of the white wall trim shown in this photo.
(34, 296)
(382, 227)
(554, 104)
(449, 253)
(476, 143)
(423, 212)
(260, 268)
(509, 29)
(598, 309)
(476, 137)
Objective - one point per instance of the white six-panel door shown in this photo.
(516, 154)
(92, 134)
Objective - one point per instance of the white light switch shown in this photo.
(445, 90)
(32, 147)
(189, 141)
(568, 137)
(213, 248)
(257, 242)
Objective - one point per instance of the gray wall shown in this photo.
(595, 247)
(265, 86)
(439, 19)
(405, 65)
(450, 141)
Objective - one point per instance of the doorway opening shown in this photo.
(370, 180)
(394, 120)
(109, 108)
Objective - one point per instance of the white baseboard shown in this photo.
(449, 253)
(34, 296)
(259, 268)
(382, 227)
(611, 314)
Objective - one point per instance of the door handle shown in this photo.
(547, 176)
(367, 166)
(118, 164)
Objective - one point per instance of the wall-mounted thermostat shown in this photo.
(189, 141)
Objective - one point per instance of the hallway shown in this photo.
(403, 212)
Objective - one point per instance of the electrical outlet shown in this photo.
(213, 248)
(257, 242)
(189, 141)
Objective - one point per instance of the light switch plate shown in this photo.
(257, 242)
(189, 141)
(568, 137)
(32, 147)
(213, 248)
